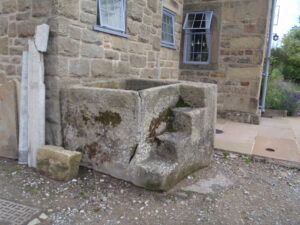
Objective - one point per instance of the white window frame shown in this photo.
(119, 31)
(191, 30)
(173, 17)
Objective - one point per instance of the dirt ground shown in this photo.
(233, 190)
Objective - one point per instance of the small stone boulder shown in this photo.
(58, 163)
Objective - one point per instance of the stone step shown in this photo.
(188, 120)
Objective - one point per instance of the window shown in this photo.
(197, 40)
(168, 29)
(111, 16)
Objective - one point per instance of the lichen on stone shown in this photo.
(166, 116)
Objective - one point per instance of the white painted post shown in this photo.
(23, 121)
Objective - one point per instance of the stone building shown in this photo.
(215, 41)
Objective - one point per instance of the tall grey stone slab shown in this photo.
(8, 120)
(41, 37)
(23, 128)
(36, 102)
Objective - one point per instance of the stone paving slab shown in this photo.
(277, 148)
(275, 122)
(275, 138)
(237, 137)
(294, 124)
(12, 213)
(276, 132)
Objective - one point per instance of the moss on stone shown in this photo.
(151, 185)
(181, 103)
(108, 118)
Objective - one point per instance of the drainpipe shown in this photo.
(267, 59)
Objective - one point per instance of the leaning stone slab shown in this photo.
(9, 119)
(36, 102)
(58, 163)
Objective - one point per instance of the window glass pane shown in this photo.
(197, 48)
(112, 14)
(168, 21)
(197, 41)
(198, 20)
(199, 16)
(204, 57)
(190, 21)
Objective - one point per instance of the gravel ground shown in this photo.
(238, 191)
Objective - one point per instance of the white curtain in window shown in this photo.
(112, 14)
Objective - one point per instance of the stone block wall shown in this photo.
(18, 19)
(239, 36)
(169, 58)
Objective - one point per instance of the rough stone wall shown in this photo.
(169, 58)
(77, 53)
(238, 53)
(18, 19)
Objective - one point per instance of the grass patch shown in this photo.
(226, 155)
(170, 197)
(10, 171)
(247, 159)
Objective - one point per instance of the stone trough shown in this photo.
(149, 132)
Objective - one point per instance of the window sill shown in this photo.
(196, 63)
(168, 46)
(108, 31)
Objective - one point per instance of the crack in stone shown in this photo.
(134, 152)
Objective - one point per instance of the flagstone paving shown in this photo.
(275, 138)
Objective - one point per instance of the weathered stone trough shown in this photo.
(149, 132)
